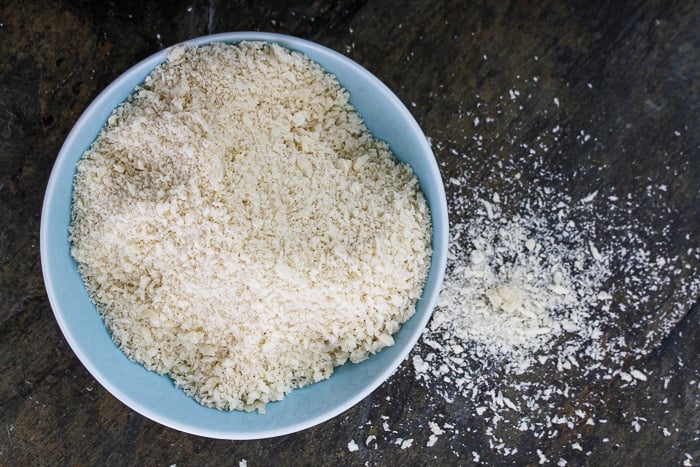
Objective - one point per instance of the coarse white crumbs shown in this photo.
(435, 432)
(371, 439)
(549, 296)
(352, 446)
(513, 286)
(432, 439)
(241, 231)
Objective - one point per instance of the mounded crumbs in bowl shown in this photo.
(240, 230)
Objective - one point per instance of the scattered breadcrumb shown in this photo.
(551, 295)
(542, 281)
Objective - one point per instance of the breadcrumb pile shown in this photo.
(241, 231)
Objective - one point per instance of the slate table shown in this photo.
(626, 73)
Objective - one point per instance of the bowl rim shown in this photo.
(434, 278)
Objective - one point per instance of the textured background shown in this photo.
(444, 60)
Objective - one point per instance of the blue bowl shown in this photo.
(155, 396)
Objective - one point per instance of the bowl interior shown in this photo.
(155, 396)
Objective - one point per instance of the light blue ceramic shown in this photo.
(155, 396)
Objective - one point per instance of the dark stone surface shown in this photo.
(643, 62)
